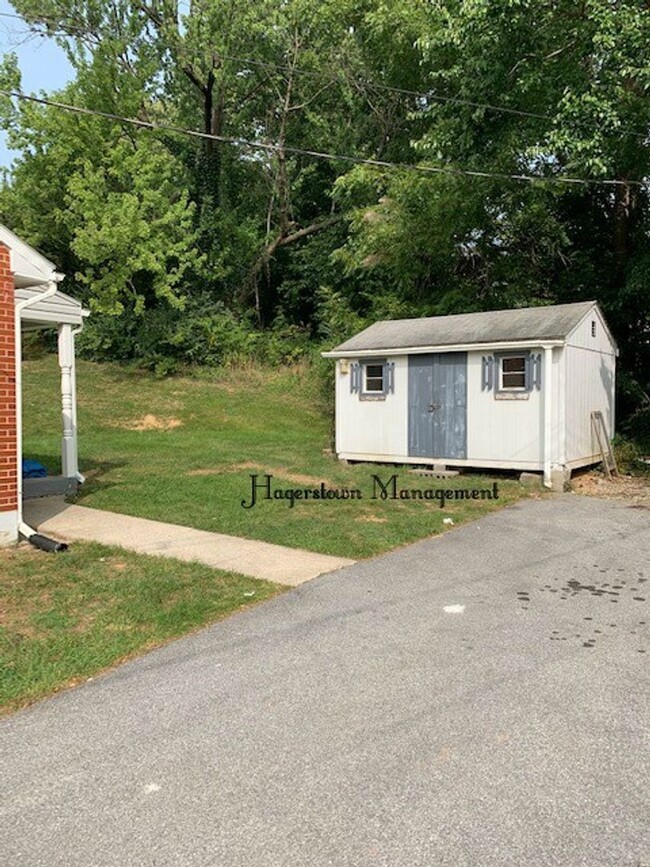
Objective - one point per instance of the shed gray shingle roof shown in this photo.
(494, 326)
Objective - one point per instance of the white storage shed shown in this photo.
(507, 389)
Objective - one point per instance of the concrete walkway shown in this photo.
(54, 517)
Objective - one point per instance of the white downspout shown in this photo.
(547, 379)
(23, 528)
(78, 476)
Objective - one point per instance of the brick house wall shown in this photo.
(8, 471)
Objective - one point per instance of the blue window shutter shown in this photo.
(487, 373)
(355, 378)
(529, 368)
(533, 371)
(389, 377)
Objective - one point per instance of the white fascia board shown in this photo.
(24, 250)
(456, 347)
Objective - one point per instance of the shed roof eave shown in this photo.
(456, 347)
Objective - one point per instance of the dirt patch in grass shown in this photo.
(635, 489)
(16, 622)
(283, 473)
(280, 472)
(151, 422)
(371, 519)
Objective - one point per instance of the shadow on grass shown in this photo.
(94, 471)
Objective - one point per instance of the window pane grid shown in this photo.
(513, 373)
(514, 380)
(374, 377)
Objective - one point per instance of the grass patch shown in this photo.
(183, 449)
(66, 617)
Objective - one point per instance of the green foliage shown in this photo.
(637, 428)
(210, 252)
(131, 227)
(629, 453)
(202, 332)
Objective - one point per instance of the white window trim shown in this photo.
(512, 389)
(373, 392)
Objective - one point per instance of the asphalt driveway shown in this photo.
(478, 699)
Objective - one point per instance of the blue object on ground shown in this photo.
(33, 470)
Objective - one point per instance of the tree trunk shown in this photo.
(623, 207)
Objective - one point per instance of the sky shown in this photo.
(42, 63)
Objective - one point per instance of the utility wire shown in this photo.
(322, 155)
(399, 91)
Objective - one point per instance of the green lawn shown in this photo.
(64, 617)
(183, 450)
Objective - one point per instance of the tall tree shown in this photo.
(549, 89)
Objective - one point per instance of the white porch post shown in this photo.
(69, 462)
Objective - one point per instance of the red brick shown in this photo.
(8, 468)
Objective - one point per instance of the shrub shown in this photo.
(637, 428)
(628, 456)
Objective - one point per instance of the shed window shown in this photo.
(513, 373)
(373, 378)
(593, 327)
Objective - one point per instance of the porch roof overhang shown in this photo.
(33, 274)
(56, 309)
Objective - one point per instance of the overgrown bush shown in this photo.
(637, 428)
(204, 333)
(212, 337)
(628, 456)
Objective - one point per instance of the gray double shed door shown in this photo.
(437, 405)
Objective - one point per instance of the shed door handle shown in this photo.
(433, 407)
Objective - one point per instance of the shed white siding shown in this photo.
(590, 382)
(498, 427)
(377, 427)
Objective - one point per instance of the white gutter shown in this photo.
(23, 528)
(547, 377)
(452, 347)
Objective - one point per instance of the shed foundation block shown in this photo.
(560, 479)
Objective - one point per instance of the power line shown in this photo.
(424, 95)
(323, 155)
(400, 91)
